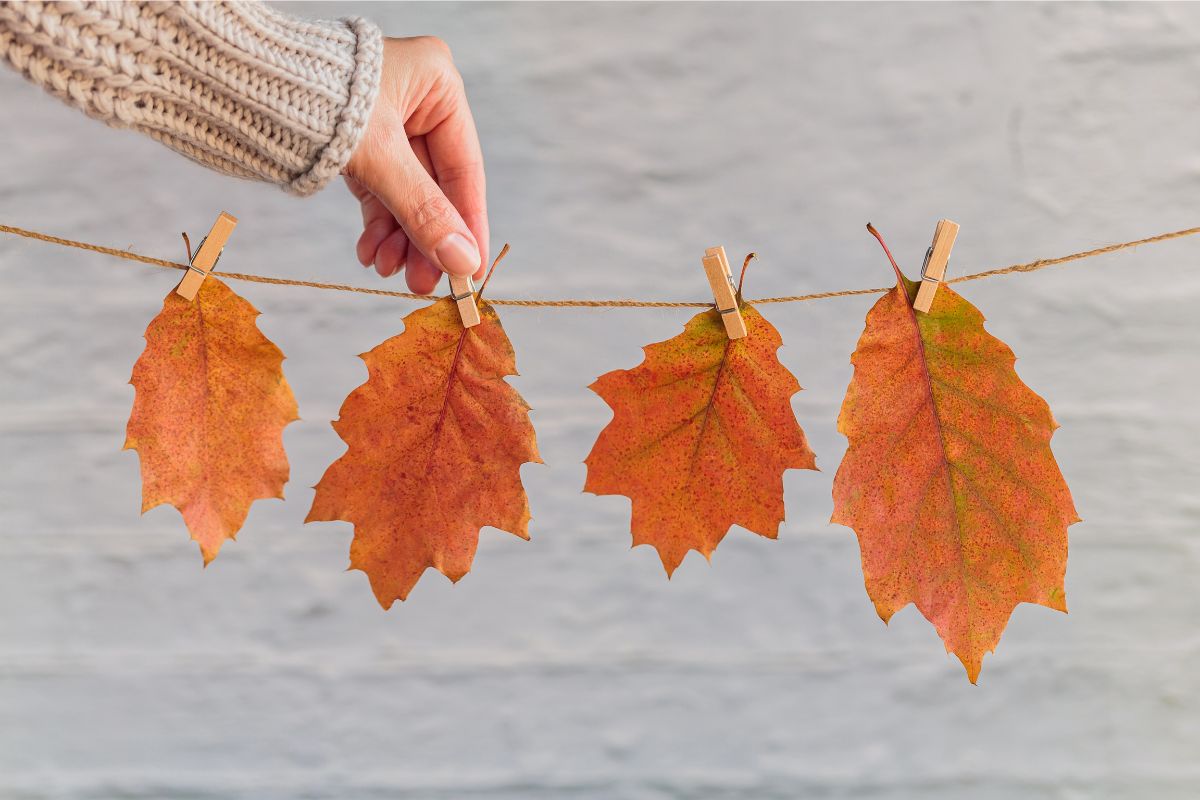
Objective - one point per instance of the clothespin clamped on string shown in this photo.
(937, 257)
(462, 292)
(206, 256)
(720, 278)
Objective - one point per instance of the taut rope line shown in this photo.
(1032, 266)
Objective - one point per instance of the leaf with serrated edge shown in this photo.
(435, 441)
(209, 410)
(701, 434)
(949, 480)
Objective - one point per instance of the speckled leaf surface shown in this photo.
(436, 438)
(949, 481)
(702, 431)
(209, 410)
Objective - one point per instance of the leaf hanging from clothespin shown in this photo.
(936, 260)
(209, 411)
(206, 256)
(435, 442)
(720, 278)
(701, 434)
(948, 480)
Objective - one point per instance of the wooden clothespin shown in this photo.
(936, 259)
(462, 292)
(720, 278)
(206, 256)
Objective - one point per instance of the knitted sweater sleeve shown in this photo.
(236, 86)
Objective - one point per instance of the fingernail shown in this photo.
(457, 255)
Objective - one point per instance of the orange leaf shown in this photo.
(210, 406)
(702, 431)
(436, 438)
(949, 481)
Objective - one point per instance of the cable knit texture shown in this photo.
(235, 86)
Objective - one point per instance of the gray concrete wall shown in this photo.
(621, 140)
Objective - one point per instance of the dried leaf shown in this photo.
(949, 481)
(436, 438)
(209, 410)
(702, 431)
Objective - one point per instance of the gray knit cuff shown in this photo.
(364, 88)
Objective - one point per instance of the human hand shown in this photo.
(418, 170)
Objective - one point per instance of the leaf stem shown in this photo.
(488, 277)
(742, 278)
(875, 233)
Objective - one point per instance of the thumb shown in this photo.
(431, 221)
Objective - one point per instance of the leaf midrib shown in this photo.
(708, 408)
(206, 484)
(435, 436)
(946, 465)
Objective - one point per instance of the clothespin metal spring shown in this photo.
(207, 255)
(937, 259)
(720, 280)
(462, 292)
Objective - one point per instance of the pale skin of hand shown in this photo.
(418, 171)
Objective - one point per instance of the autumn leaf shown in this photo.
(949, 481)
(210, 406)
(436, 438)
(702, 431)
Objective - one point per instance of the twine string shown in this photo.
(1032, 266)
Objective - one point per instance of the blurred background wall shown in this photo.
(621, 140)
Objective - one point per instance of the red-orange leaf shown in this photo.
(702, 431)
(949, 481)
(209, 411)
(436, 438)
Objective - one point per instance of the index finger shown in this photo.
(458, 163)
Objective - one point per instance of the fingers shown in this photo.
(384, 243)
(374, 235)
(378, 227)
(422, 276)
(393, 254)
(420, 162)
(458, 164)
(429, 219)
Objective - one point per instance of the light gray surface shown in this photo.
(621, 141)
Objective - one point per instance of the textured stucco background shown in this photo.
(621, 140)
